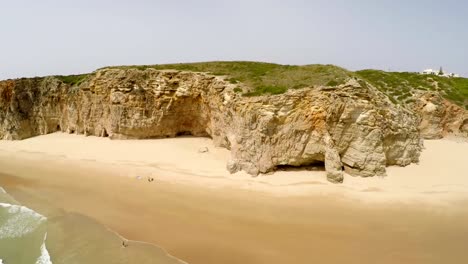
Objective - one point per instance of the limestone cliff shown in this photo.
(352, 126)
(439, 117)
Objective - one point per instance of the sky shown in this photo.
(49, 37)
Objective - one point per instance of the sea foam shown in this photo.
(22, 221)
(44, 258)
(19, 222)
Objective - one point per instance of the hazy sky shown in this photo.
(43, 37)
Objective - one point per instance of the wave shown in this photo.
(18, 222)
(44, 258)
(21, 221)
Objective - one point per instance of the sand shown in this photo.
(199, 213)
(440, 176)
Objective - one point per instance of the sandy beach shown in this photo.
(438, 178)
(200, 213)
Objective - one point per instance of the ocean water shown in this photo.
(23, 233)
(27, 237)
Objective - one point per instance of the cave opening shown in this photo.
(183, 133)
(191, 134)
(187, 117)
(104, 133)
(58, 128)
(315, 165)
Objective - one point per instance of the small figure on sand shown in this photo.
(124, 244)
(150, 179)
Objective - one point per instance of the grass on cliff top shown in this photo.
(264, 78)
(400, 86)
(270, 78)
(72, 79)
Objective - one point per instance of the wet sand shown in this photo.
(202, 225)
(200, 214)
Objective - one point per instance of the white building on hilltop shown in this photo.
(430, 72)
(439, 73)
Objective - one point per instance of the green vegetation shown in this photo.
(72, 79)
(332, 83)
(267, 89)
(233, 80)
(268, 78)
(264, 78)
(402, 85)
(237, 90)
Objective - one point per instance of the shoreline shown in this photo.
(202, 216)
(137, 249)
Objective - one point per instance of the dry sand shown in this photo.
(441, 175)
(201, 214)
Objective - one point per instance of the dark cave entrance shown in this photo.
(183, 133)
(58, 128)
(186, 133)
(104, 133)
(312, 166)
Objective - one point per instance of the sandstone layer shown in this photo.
(351, 127)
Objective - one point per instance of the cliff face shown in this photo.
(352, 126)
(440, 117)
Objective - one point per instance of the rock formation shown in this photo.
(439, 117)
(351, 127)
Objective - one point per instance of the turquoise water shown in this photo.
(27, 237)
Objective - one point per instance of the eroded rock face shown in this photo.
(352, 127)
(349, 126)
(439, 117)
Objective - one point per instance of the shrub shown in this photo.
(72, 79)
(402, 84)
(267, 89)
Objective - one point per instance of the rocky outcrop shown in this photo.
(440, 117)
(351, 127)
